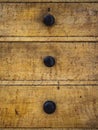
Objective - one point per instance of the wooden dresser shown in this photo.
(48, 64)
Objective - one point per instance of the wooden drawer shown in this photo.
(71, 19)
(27, 82)
(25, 61)
(22, 105)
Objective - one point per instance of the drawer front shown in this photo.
(71, 19)
(22, 106)
(26, 61)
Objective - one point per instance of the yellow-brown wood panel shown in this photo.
(24, 61)
(26, 19)
(26, 83)
(50, 39)
(49, 1)
(49, 129)
(22, 106)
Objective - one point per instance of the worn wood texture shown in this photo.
(50, 39)
(26, 19)
(22, 106)
(24, 61)
(48, 129)
(49, 1)
(48, 82)
(26, 83)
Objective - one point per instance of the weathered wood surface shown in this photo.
(72, 83)
(60, 39)
(24, 61)
(22, 106)
(26, 19)
(49, 1)
(48, 82)
(48, 128)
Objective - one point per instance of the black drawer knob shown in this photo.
(49, 20)
(49, 61)
(49, 107)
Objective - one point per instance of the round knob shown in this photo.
(49, 107)
(49, 61)
(49, 20)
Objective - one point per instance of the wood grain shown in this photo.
(50, 39)
(72, 83)
(48, 82)
(22, 106)
(48, 128)
(49, 1)
(24, 61)
(26, 19)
